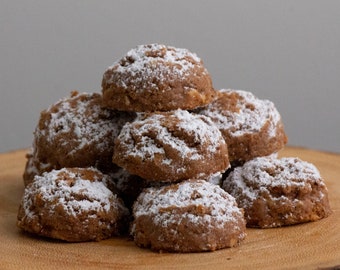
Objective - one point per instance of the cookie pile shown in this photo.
(163, 156)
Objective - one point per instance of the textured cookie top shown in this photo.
(240, 112)
(156, 77)
(277, 177)
(145, 63)
(199, 199)
(157, 131)
(171, 141)
(77, 132)
(76, 190)
(82, 119)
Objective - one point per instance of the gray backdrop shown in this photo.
(285, 51)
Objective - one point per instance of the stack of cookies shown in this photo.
(161, 155)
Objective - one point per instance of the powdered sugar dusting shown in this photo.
(215, 178)
(201, 127)
(148, 145)
(219, 205)
(158, 61)
(270, 172)
(79, 121)
(76, 197)
(249, 115)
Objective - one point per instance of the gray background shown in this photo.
(285, 51)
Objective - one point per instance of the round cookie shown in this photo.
(278, 192)
(73, 205)
(171, 146)
(156, 77)
(191, 216)
(251, 127)
(77, 132)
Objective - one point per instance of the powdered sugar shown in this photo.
(76, 196)
(154, 137)
(219, 205)
(215, 178)
(79, 121)
(268, 172)
(147, 63)
(249, 115)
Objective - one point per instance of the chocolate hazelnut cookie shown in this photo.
(190, 216)
(171, 147)
(251, 127)
(278, 192)
(75, 132)
(71, 204)
(156, 77)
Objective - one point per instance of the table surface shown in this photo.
(314, 245)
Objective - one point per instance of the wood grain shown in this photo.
(310, 246)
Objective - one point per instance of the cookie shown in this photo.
(73, 205)
(191, 216)
(127, 185)
(75, 132)
(278, 192)
(251, 127)
(34, 167)
(171, 147)
(156, 77)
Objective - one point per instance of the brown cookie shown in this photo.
(171, 146)
(127, 185)
(75, 132)
(34, 167)
(251, 127)
(156, 77)
(190, 216)
(278, 192)
(73, 205)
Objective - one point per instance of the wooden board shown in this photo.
(310, 246)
